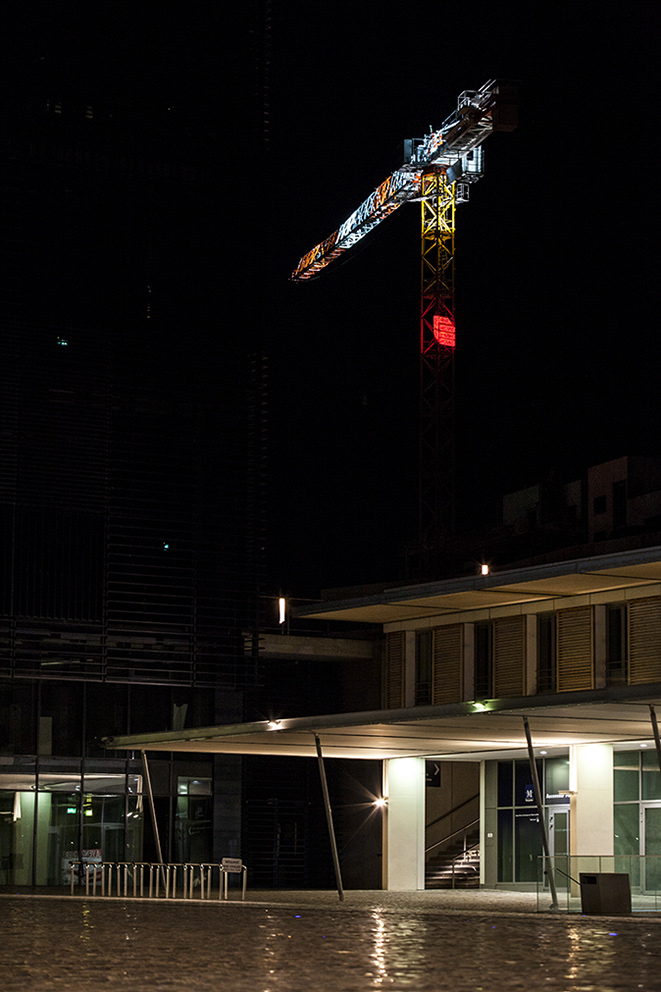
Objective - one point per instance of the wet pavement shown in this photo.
(311, 942)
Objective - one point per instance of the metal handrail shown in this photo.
(452, 811)
(461, 830)
(458, 857)
(462, 855)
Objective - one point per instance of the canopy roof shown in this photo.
(538, 583)
(463, 731)
(460, 731)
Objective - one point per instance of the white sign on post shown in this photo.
(232, 864)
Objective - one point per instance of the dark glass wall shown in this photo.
(132, 420)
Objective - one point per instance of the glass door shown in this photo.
(557, 825)
(651, 846)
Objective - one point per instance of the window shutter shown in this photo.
(509, 652)
(575, 669)
(394, 680)
(645, 640)
(446, 678)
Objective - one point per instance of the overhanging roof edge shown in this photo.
(522, 705)
(396, 596)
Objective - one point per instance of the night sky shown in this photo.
(557, 341)
(557, 347)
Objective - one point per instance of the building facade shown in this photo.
(511, 700)
(564, 645)
(132, 420)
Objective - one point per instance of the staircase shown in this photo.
(454, 867)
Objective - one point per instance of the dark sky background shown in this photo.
(557, 330)
(557, 343)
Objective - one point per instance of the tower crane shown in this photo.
(436, 171)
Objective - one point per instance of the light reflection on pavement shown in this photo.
(203, 947)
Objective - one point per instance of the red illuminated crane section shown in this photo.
(437, 172)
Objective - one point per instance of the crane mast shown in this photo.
(437, 171)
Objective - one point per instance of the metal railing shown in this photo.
(153, 880)
(455, 809)
(465, 830)
(643, 871)
(462, 858)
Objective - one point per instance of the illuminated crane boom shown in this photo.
(455, 148)
(436, 171)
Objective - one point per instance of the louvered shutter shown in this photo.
(509, 651)
(645, 640)
(446, 677)
(575, 668)
(394, 674)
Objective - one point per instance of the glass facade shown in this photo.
(61, 812)
(637, 817)
(519, 838)
(193, 824)
(67, 799)
(131, 489)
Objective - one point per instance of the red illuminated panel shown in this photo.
(444, 331)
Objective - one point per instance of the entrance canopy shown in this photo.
(462, 731)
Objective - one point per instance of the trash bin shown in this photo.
(605, 893)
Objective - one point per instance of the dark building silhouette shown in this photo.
(132, 413)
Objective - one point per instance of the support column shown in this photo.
(591, 810)
(157, 837)
(404, 824)
(539, 802)
(329, 819)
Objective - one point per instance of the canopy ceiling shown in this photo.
(457, 732)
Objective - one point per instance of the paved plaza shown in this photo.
(311, 942)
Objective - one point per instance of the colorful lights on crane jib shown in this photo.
(444, 331)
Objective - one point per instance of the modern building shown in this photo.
(571, 651)
(132, 420)
(611, 506)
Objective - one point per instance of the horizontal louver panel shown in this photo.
(446, 685)
(645, 640)
(509, 656)
(575, 668)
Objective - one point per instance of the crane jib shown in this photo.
(452, 147)
(393, 191)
